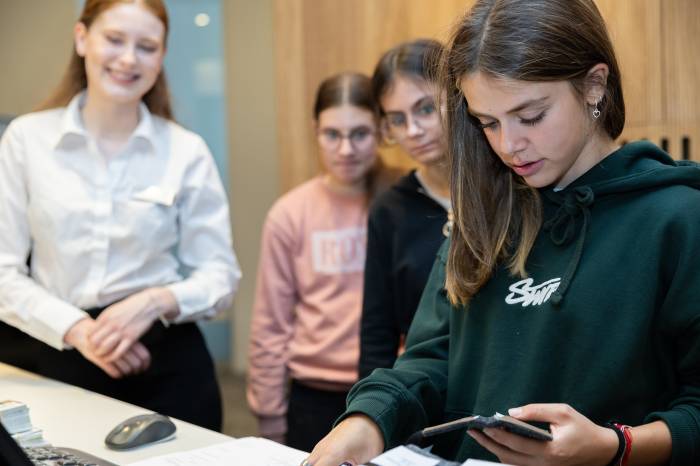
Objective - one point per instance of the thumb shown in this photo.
(544, 412)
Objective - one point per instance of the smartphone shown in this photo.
(511, 424)
(499, 420)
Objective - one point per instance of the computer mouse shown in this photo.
(140, 430)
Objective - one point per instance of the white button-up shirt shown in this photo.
(99, 229)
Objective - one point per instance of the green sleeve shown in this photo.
(679, 322)
(411, 396)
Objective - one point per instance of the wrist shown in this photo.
(374, 443)
(610, 443)
(624, 443)
(272, 427)
(76, 335)
(162, 304)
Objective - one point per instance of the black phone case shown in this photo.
(510, 424)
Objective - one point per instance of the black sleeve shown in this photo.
(379, 330)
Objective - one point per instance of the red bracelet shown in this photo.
(627, 448)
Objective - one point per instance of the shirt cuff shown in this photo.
(272, 426)
(53, 320)
(192, 301)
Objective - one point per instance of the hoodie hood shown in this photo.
(638, 166)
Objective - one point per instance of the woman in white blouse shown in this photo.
(125, 221)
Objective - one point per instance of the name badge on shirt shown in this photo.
(156, 194)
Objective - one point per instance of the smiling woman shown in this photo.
(113, 200)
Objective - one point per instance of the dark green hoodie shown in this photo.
(607, 321)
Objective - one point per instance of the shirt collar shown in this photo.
(145, 130)
(72, 123)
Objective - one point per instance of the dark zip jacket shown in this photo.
(607, 321)
(403, 237)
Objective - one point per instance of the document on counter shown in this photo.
(403, 456)
(415, 456)
(481, 463)
(251, 451)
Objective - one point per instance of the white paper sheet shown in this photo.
(402, 456)
(248, 451)
(481, 463)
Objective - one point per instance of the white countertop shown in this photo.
(77, 418)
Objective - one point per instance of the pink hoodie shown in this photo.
(308, 299)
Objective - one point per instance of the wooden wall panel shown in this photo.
(657, 44)
(635, 29)
(292, 127)
(681, 60)
(681, 67)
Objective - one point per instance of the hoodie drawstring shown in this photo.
(562, 230)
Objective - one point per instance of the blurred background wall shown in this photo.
(36, 40)
(275, 52)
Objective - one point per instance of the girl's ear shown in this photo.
(80, 37)
(596, 83)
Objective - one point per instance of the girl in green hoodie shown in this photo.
(568, 292)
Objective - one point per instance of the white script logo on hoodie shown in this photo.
(524, 293)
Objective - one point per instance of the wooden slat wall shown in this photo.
(657, 43)
(635, 28)
(681, 64)
(681, 59)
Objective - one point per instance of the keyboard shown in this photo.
(59, 456)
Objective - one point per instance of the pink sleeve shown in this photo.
(272, 328)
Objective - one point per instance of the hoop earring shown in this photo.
(596, 111)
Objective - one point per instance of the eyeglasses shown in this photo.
(423, 114)
(360, 138)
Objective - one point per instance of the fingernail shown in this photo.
(515, 411)
(471, 434)
(345, 463)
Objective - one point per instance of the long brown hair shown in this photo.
(355, 89)
(497, 215)
(74, 80)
